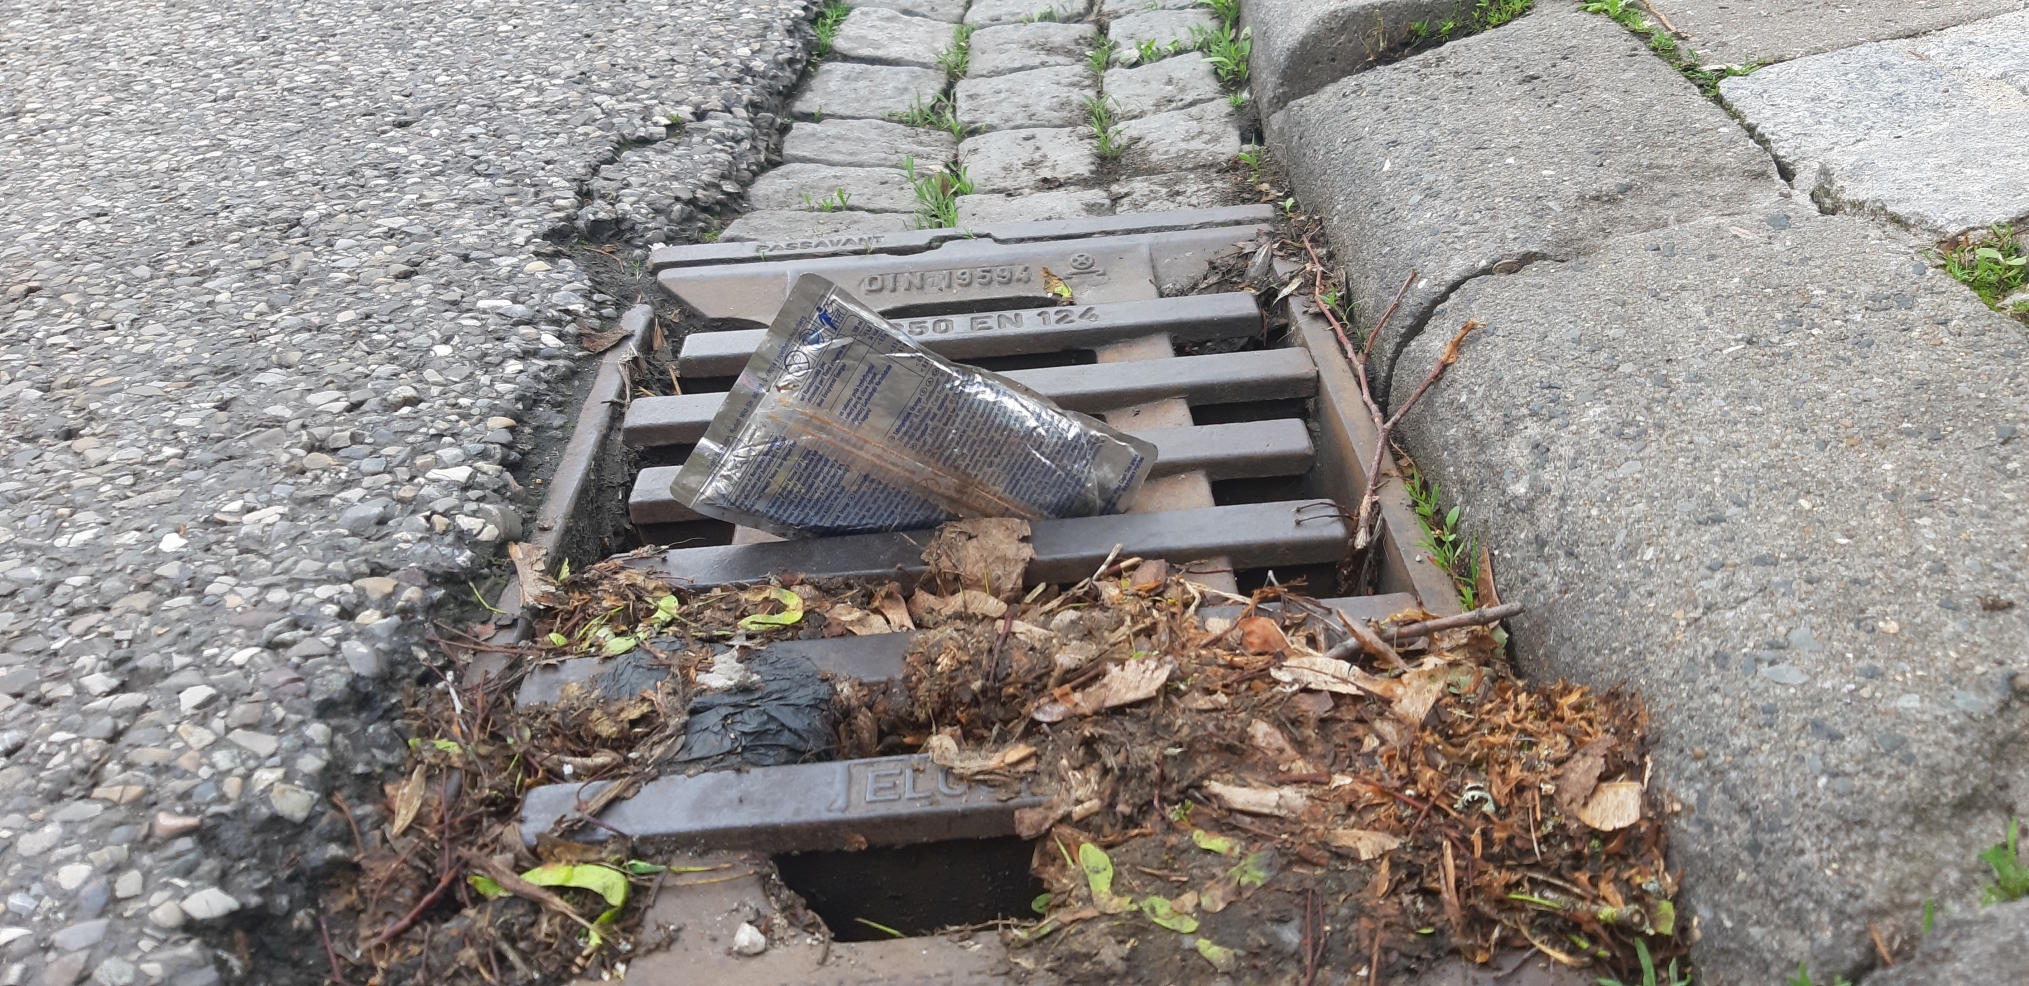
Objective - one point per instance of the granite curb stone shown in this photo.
(948, 11)
(865, 144)
(1301, 46)
(1019, 47)
(883, 37)
(1540, 139)
(847, 89)
(1203, 136)
(1043, 97)
(1764, 470)
(1174, 83)
(986, 13)
(1183, 190)
(1026, 160)
(801, 187)
(773, 225)
(981, 209)
(1164, 27)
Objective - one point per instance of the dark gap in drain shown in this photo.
(1321, 581)
(1223, 414)
(917, 889)
(1259, 489)
(689, 534)
(930, 308)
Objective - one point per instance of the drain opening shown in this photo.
(917, 889)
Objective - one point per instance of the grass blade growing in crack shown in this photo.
(1099, 58)
(1100, 111)
(937, 193)
(957, 58)
(938, 114)
(828, 19)
(1226, 52)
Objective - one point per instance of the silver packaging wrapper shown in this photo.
(841, 424)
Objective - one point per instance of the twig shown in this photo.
(1374, 960)
(1672, 28)
(1364, 638)
(357, 842)
(1879, 945)
(394, 930)
(337, 977)
(1479, 617)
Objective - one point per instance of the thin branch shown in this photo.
(1375, 332)
(1479, 617)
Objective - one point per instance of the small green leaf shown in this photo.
(639, 868)
(1212, 843)
(1098, 869)
(792, 612)
(487, 887)
(665, 610)
(564, 570)
(603, 880)
(617, 646)
(1162, 912)
(1041, 905)
(1665, 918)
(1221, 957)
(447, 746)
(559, 639)
(1254, 870)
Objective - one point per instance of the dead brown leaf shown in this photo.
(531, 569)
(1124, 684)
(1578, 776)
(1364, 843)
(1614, 805)
(1261, 635)
(990, 554)
(1284, 802)
(888, 603)
(409, 800)
(1329, 674)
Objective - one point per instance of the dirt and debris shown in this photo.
(1233, 789)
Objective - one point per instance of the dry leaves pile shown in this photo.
(1230, 779)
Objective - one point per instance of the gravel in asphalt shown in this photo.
(283, 319)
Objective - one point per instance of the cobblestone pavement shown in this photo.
(280, 315)
(1012, 95)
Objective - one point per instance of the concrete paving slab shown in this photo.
(847, 90)
(1160, 193)
(1301, 46)
(1164, 27)
(979, 210)
(949, 11)
(1928, 131)
(985, 13)
(1204, 136)
(774, 225)
(1740, 32)
(1541, 139)
(1170, 84)
(865, 144)
(1020, 47)
(1766, 476)
(1027, 160)
(1043, 97)
(804, 187)
(883, 37)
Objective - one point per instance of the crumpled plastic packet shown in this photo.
(841, 424)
